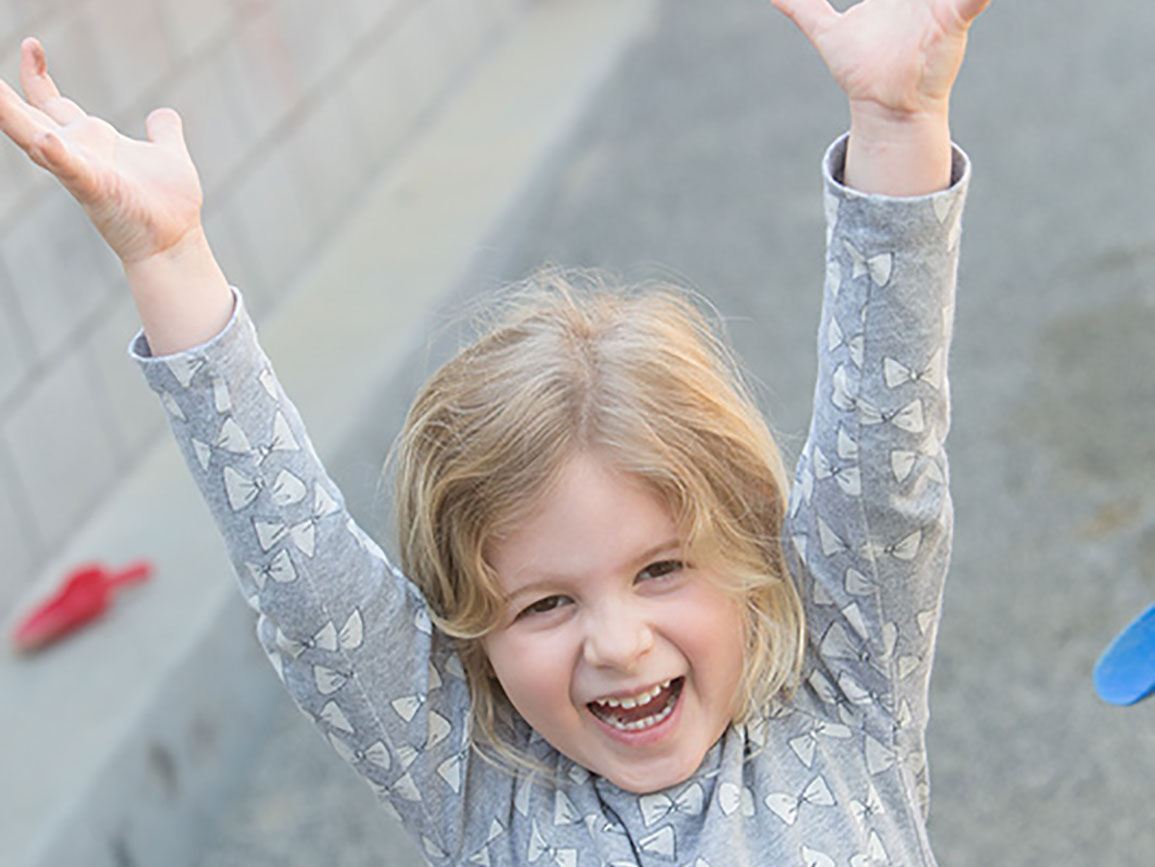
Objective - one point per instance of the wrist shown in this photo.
(181, 294)
(898, 153)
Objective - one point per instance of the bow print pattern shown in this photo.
(355, 644)
(786, 807)
(655, 808)
(539, 848)
(877, 266)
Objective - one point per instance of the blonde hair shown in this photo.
(637, 376)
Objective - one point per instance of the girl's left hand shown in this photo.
(896, 58)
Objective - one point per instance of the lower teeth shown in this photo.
(645, 722)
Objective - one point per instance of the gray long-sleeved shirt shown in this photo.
(836, 776)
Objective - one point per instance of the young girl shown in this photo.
(599, 654)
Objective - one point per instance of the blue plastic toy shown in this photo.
(1125, 672)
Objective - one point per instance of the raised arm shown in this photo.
(350, 637)
(143, 197)
(897, 61)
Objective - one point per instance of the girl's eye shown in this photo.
(661, 569)
(549, 603)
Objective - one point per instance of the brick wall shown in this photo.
(288, 106)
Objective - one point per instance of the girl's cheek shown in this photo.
(519, 660)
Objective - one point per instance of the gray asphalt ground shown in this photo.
(699, 162)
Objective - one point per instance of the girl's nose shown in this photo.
(617, 638)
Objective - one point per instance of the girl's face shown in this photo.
(623, 657)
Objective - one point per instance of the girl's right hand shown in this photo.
(144, 197)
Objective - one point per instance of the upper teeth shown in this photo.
(634, 700)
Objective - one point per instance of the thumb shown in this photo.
(163, 127)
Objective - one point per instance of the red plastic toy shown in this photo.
(84, 597)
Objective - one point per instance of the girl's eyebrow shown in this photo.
(552, 581)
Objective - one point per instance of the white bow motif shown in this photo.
(786, 807)
(878, 266)
(658, 806)
(408, 705)
(868, 808)
(328, 680)
(539, 848)
(905, 549)
(282, 439)
(203, 453)
(874, 855)
(833, 278)
(805, 745)
(185, 367)
(432, 849)
(878, 757)
(564, 811)
(231, 438)
(406, 788)
(732, 798)
(855, 344)
(662, 843)
(450, 771)
(279, 569)
(332, 715)
(830, 541)
(222, 401)
(856, 583)
(286, 489)
(439, 729)
(847, 447)
(304, 534)
(268, 382)
(328, 637)
(840, 394)
(836, 644)
(908, 418)
(895, 373)
(848, 477)
(827, 692)
(375, 754)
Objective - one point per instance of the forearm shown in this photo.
(898, 155)
(181, 295)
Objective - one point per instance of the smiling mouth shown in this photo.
(640, 716)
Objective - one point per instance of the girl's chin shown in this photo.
(643, 781)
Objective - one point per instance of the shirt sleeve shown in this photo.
(346, 632)
(870, 513)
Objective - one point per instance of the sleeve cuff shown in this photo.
(140, 352)
(834, 163)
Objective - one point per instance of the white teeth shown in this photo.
(642, 723)
(634, 700)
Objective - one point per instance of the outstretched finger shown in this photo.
(969, 10)
(51, 153)
(19, 121)
(810, 15)
(39, 87)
